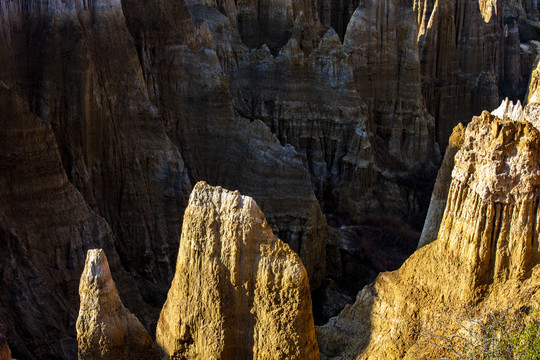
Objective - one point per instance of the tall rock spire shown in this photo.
(239, 292)
(105, 328)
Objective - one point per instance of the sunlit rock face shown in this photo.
(486, 255)
(239, 291)
(533, 93)
(105, 328)
(507, 110)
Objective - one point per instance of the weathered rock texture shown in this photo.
(360, 136)
(363, 158)
(336, 14)
(218, 145)
(521, 8)
(45, 230)
(105, 328)
(5, 352)
(439, 197)
(271, 22)
(471, 53)
(513, 64)
(238, 292)
(148, 97)
(507, 110)
(382, 39)
(306, 93)
(533, 93)
(125, 85)
(76, 65)
(461, 46)
(486, 254)
(309, 102)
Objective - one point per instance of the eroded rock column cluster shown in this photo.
(486, 254)
(111, 110)
(238, 292)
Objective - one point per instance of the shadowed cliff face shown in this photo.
(309, 102)
(354, 111)
(461, 46)
(521, 9)
(382, 39)
(272, 22)
(46, 228)
(486, 254)
(114, 104)
(336, 14)
(81, 73)
(121, 109)
(192, 93)
(384, 55)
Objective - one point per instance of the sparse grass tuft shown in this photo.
(502, 335)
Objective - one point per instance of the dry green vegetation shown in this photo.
(499, 335)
